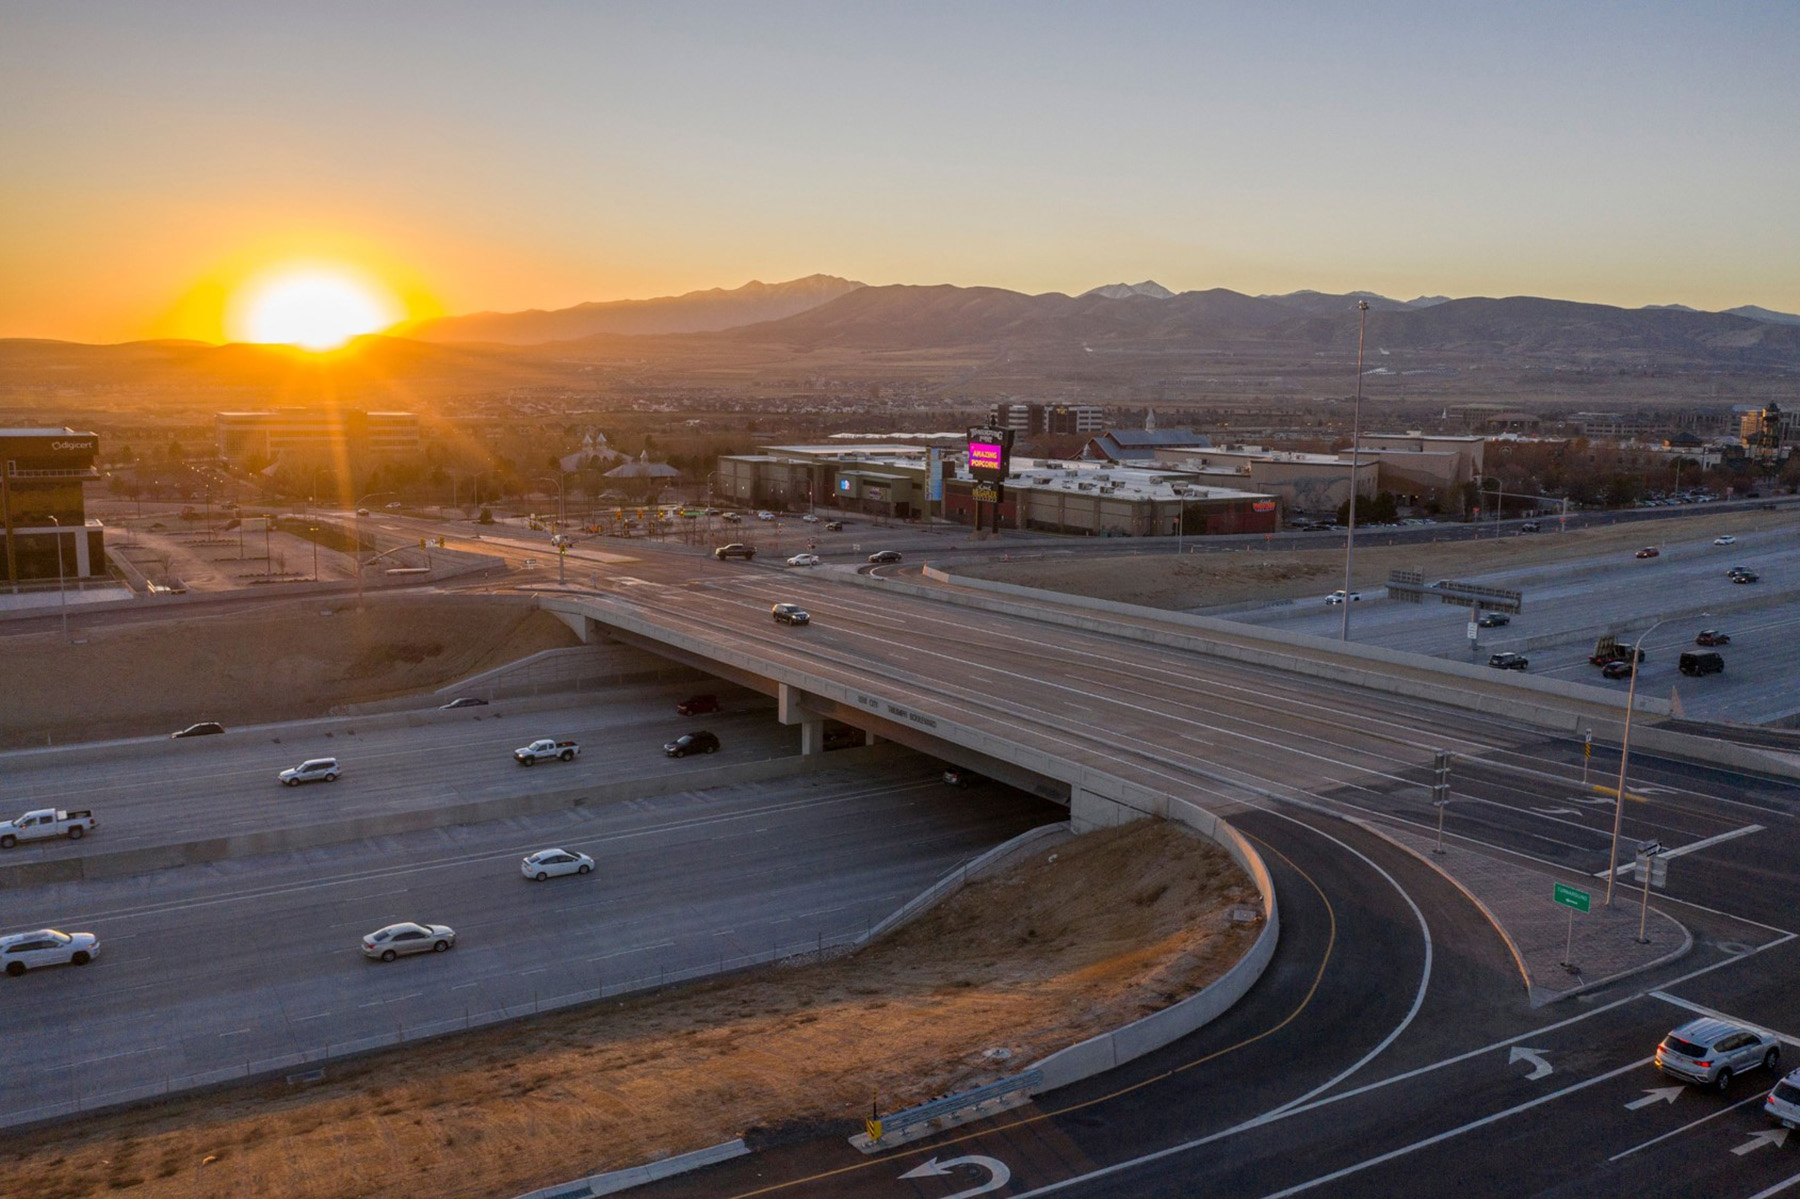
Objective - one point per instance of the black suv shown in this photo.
(1494, 620)
(701, 742)
(790, 614)
(735, 550)
(1509, 661)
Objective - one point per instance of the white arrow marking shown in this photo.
(1001, 1175)
(1768, 1136)
(1535, 1057)
(1659, 1095)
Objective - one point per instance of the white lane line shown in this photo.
(1700, 1010)
(1779, 1187)
(1688, 848)
(107, 1057)
(314, 1016)
(533, 970)
(1695, 1124)
(1449, 1134)
(639, 949)
(236, 1032)
(464, 986)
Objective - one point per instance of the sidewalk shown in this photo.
(1516, 895)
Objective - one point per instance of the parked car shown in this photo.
(46, 947)
(546, 862)
(1712, 637)
(834, 526)
(1508, 661)
(1494, 620)
(804, 560)
(463, 701)
(735, 550)
(1337, 597)
(1618, 668)
(790, 614)
(1725, 539)
(397, 940)
(1742, 574)
(1649, 551)
(698, 742)
(695, 705)
(1710, 1052)
(205, 728)
(313, 770)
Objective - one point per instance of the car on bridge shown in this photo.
(46, 947)
(1709, 1052)
(1742, 574)
(1509, 661)
(1494, 620)
(205, 728)
(547, 862)
(463, 701)
(1618, 668)
(699, 742)
(1725, 539)
(790, 614)
(397, 940)
(879, 557)
(1339, 596)
(1649, 551)
(1712, 637)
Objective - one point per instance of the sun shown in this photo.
(314, 309)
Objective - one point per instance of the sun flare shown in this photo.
(314, 309)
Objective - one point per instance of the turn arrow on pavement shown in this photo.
(1535, 1057)
(1768, 1136)
(1659, 1095)
(1001, 1175)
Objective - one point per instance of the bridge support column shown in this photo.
(582, 625)
(812, 737)
(1089, 811)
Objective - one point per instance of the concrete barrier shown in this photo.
(637, 1176)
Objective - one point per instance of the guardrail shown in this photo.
(960, 1107)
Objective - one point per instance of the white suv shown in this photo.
(1709, 1052)
(312, 771)
(46, 947)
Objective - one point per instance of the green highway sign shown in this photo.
(1572, 897)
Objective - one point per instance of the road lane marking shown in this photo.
(107, 1057)
(1779, 1187)
(314, 1016)
(236, 1032)
(464, 986)
(1758, 1098)
(1701, 1010)
(639, 949)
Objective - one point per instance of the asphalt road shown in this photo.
(215, 968)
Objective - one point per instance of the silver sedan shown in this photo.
(546, 862)
(390, 942)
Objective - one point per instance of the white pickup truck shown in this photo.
(547, 747)
(43, 823)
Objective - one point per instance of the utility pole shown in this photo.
(1362, 325)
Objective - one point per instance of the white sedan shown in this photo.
(396, 939)
(1337, 597)
(1727, 539)
(804, 560)
(810, 519)
(546, 862)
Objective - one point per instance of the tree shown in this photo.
(486, 517)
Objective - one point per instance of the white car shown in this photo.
(396, 939)
(1783, 1103)
(765, 516)
(46, 947)
(1337, 597)
(804, 560)
(1727, 539)
(810, 519)
(314, 770)
(546, 862)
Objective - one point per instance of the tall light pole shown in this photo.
(1612, 860)
(62, 589)
(356, 524)
(313, 530)
(1362, 325)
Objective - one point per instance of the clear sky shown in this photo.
(156, 157)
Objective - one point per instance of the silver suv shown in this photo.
(1709, 1052)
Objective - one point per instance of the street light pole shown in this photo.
(62, 588)
(1612, 860)
(1362, 325)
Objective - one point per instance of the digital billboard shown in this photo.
(989, 451)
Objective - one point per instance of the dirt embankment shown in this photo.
(289, 661)
(1108, 927)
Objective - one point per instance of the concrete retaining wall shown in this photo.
(992, 862)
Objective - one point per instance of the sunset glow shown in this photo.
(314, 309)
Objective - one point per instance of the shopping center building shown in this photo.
(43, 517)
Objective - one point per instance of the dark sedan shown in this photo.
(701, 742)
